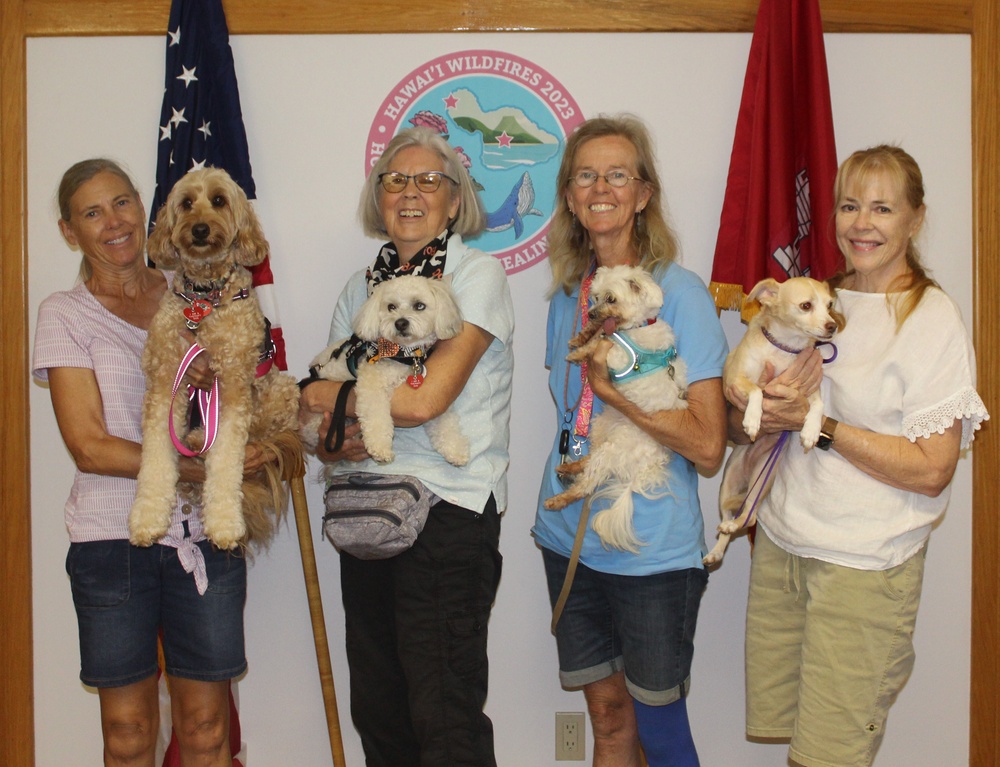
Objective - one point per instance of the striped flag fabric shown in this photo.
(779, 193)
(201, 122)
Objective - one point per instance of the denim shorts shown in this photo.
(125, 595)
(642, 625)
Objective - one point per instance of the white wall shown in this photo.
(308, 103)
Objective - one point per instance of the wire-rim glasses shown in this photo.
(426, 181)
(615, 178)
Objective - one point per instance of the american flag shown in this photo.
(201, 123)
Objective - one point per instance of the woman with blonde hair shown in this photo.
(626, 633)
(838, 565)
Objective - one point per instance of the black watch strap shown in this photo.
(826, 433)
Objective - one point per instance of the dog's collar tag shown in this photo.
(196, 312)
(416, 378)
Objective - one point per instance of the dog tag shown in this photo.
(196, 312)
(416, 378)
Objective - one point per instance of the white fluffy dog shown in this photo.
(794, 315)
(394, 330)
(208, 232)
(643, 362)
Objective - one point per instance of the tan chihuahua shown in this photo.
(795, 315)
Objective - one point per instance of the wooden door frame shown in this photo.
(22, 19)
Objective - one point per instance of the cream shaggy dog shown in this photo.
(208, 233)
(394, 332)
(794, 315)
(624, 459)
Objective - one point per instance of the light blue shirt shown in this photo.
(483, 407)
(671, 527)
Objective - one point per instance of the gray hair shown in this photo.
(471, 218)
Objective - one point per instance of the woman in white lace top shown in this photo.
(838, 566)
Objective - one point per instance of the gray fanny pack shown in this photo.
(375, 516)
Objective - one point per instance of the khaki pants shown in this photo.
(828, 648)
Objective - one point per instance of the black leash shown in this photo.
(338, 419)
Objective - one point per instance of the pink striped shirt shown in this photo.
(76, 331)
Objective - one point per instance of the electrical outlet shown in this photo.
(569, 737)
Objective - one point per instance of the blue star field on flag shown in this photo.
(201, 123)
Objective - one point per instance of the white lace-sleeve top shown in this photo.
(912, 383)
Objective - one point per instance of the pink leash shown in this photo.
(208, 404)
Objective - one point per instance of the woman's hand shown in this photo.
(320, 397)
(199, 373)
(786, 397)
(598, 374)
(353, 448)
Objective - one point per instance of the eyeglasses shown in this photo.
(428, 181)
(616, 178)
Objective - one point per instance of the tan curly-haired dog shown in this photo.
(208, 233)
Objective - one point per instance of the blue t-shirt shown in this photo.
(671, 527)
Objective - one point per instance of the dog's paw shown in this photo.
(147, 522)
(715, 556)
(456, 455)
(809, 437)
(556, 502)
(381, 455)
(751, 426)
(145, 536)
(226, 535)
(729, 527)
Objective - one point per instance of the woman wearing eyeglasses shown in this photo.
(416, 623)
(626, 633)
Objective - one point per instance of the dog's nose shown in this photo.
(402, 325)
(831, 328)
(200, 231)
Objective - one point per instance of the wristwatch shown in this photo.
(826, 433)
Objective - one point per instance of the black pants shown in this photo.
(416, 630)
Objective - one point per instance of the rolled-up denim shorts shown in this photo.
(640, 624)
(124, 595)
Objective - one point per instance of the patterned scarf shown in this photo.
(429, 262)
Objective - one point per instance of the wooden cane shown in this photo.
(318, 622)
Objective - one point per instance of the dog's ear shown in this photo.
(836, 316)
(160, 249)
(366, 322)
(764, 291)
(646, 292)
(448, 322)
(250, 247)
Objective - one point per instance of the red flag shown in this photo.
(779, 195)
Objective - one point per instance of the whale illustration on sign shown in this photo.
(519, 203)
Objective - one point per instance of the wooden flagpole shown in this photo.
(318, 622)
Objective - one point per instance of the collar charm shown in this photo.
(196, 312)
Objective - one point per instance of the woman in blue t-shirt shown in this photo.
(626, 632)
